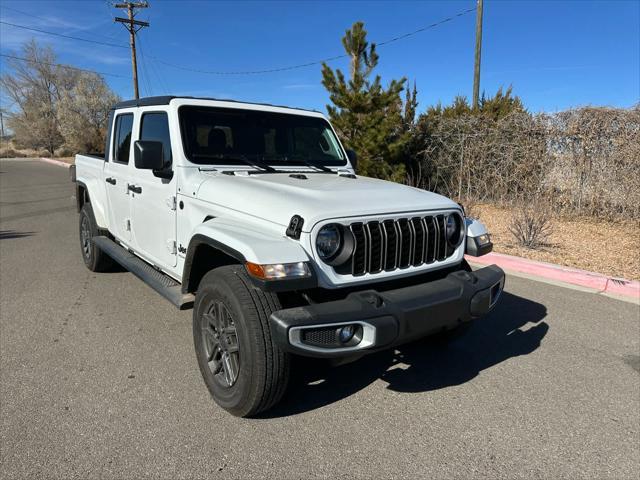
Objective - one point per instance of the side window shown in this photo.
(122, 138)
(155, 127)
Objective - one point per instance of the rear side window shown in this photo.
(122, 138)
(155, 127)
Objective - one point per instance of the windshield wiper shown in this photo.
(244, 159)
(301, 158)
(322, 168)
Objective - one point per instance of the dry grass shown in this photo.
(605, 247)
(27, 153)
(69, 160)
(9, 150)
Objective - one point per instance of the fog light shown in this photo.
(346, 333)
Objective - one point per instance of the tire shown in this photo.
(245, 371)
(94, 258)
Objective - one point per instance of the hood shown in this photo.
(278, 196)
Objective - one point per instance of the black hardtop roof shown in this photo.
(164, 100)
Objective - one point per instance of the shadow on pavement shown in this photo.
(6, 234)
(421, 366)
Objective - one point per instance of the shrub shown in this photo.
(582, 161)
(11, 153)
(531, 226)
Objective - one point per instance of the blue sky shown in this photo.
(556, 54)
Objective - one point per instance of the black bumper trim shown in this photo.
(398, 316)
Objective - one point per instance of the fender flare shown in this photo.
(244, 246)
(84, 194)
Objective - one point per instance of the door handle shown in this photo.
(110, 180)
(134, 189)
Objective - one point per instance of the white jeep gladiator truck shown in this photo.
(253, 215)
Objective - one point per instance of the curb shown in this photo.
(54, 162)
(596, 281)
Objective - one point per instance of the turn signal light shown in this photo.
(483, 239)
(278, 271)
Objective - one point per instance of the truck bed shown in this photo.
(89, 173)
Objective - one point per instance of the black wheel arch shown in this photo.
(82, 195)
(205, 254)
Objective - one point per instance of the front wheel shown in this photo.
(244, 370)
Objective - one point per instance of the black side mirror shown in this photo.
(353, 159)
(148, 155)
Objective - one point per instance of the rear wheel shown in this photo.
(94, 258)
(243, 368)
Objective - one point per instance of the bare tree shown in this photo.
(55, 104)
(34, 88)
(83, 111)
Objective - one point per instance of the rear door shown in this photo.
(117, 172)
(153, 204)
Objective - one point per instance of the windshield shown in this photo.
(226, 136)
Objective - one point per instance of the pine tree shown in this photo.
(501, 104)
(367, 116)
(410, 108)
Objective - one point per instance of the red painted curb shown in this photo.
(55, 162)
(583, 278)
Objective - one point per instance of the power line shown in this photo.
(146, 78)
(152, 66)
(433, 25)
(4, 7)
(263, 71)
(58, 65)
(316, 62)
(63, 36)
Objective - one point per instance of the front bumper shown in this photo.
(384, 319)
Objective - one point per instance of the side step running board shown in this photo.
(161, 283)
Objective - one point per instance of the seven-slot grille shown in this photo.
(390, 244)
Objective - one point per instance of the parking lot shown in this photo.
(99, 379)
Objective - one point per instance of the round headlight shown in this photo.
(328, 241)
(454, 229)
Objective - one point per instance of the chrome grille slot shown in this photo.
(432, 240)
(377, 250)
(402, 243)
(406, 243)
(442, 244)
(418, 251)
(360, 253)
(391, 244)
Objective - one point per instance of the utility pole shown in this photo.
(476, 68)
(133, 26)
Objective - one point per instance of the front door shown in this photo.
(153, 204)
(116, 174)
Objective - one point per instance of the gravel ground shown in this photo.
(594, 245)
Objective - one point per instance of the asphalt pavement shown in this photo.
(99, 379)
